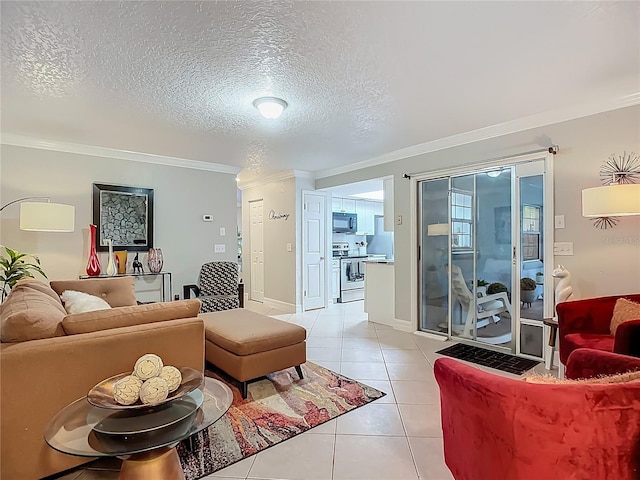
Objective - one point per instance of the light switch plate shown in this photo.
(563, 248)
(223, 231)
(289, 247)
(218, 248)
(559, 221)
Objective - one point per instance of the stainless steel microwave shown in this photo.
(345, 222)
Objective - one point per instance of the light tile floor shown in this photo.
(398, 437)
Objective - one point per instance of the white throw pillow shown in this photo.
(80, 302)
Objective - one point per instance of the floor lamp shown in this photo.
(44, 216)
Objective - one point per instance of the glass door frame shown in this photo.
(516, 162)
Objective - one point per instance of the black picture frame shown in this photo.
(124, 214)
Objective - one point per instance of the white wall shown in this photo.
(605, 261)
(279, 264)
(181, 197)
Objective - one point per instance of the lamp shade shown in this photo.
(436, 229)
(611, 200)
(47, 217)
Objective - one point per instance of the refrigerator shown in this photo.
(381, 242)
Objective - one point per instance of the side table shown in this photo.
(552, 323)
(145, 439)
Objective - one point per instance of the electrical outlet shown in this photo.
(288, 247)
(399, 220)
(218, 248)
(223, 231)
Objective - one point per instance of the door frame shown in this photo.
(252, 240)
(325, 241)
(480, 167)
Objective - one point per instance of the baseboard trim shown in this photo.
(431, 336)
(403, 326)
(284, 306)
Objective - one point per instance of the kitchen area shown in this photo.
(362, 246)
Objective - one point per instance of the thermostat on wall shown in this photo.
(207, 218)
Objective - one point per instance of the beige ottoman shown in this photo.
(248, 345)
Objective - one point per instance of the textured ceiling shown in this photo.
(362, 79)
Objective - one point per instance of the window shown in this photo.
(531, 237)
(461, 220)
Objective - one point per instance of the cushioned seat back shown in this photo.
(117, 291)
(219, 278)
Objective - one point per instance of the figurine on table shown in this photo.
(137, 265)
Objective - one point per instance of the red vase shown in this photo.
(93, 265)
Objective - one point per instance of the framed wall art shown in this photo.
(124, 215)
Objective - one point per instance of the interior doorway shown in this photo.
(256, 239)
(485, 239)
(314, 247)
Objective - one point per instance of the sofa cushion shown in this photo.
(117, 291)
(80, 302)
(31, 311)
(128, 316)
(623, 311)
(596, 341)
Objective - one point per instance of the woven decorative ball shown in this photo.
(126, 391)
(148, 366)
(172, 376)
(154, 390)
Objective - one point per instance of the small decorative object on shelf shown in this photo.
(563, 289)
(148, 366)
(126, 391)
(154, 390)
(93, 264)
(121, 256)
(137, 265)
(112, 269)
(172, 376)
(155, 260)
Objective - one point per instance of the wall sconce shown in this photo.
(620, 194)
(44, 216)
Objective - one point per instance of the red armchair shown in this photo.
(498, 428)
(585, 324)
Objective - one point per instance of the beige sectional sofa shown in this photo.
(49, 359)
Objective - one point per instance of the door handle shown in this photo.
(321, 258)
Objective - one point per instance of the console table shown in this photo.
(165, 292)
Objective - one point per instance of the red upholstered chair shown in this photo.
(585, 324)
(499, 428)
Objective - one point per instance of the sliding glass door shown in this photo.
(480, 233)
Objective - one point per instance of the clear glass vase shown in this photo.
(154, 260)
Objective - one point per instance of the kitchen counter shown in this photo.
(379, 291)
(379, 260)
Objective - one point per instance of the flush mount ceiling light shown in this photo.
(270, 107)
(494, 173)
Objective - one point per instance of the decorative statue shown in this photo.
(137, 265)
(563, 288)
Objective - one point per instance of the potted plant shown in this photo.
(496, 287)
(527, 290)
(15, 266)
(481, 287)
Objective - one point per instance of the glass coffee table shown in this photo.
(145, 439)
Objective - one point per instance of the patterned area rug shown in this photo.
(277, 408)
(489, 358)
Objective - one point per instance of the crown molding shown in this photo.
(276, 177)
(95, 151)
(525, 123)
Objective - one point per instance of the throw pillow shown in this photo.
(80, 302)
(623, 311)
(30, 312)
(603, 379)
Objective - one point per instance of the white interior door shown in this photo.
(256, 235)
(314, 249)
